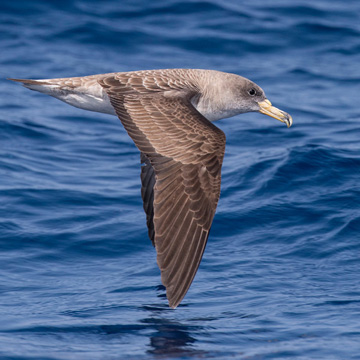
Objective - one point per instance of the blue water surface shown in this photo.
(280, 278)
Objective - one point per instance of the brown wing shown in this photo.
(184, 152)
(147, 194)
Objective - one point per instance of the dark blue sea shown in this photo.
(280, 277)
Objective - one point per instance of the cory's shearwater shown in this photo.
(169, 114)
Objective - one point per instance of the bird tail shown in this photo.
(45, 85)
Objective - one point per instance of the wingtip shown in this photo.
(172, 300)
(175, 299)
(173, 306)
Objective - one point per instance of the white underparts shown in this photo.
(92, 98)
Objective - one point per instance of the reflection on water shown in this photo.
(172, 338)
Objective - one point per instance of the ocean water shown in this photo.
(280, 277)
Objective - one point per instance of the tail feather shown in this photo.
(30, 82)
(45, 86)
(82, 92)
(34, 84)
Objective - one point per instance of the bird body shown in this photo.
(169, 114)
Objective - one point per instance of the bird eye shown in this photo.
(252, 92)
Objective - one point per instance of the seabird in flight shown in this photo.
(169, 114)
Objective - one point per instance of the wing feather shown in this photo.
(182, 153)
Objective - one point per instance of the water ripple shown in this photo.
(279, 277)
